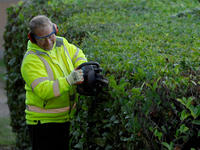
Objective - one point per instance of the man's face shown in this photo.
(44, 37)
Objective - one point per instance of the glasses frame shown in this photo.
(47, 36)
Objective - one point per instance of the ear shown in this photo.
(31, 37)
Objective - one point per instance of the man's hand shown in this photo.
(75, 77)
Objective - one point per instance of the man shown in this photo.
(49, 70)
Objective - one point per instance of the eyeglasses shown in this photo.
(47, 36)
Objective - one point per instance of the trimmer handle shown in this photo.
(93, 80)
(88, 63)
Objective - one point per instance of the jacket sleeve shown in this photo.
(36, 77)
(77, 56)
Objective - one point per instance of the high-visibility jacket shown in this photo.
(49, 97)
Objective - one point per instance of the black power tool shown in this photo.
(93, 79)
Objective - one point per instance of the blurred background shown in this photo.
(6, 135)
(3, 16)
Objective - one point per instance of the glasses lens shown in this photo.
(43, 37)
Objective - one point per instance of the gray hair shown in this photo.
(39, 21)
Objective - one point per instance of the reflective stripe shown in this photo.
(80, 58)
(55, 85)
(48, 68)
(41, 110)
(67, 52)
(39, 53)
(49, 72)
(29, 52)
(76, 54)
(56, 88)
(37, 81)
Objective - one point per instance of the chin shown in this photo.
(48, 48)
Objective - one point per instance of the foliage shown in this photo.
(149, 51)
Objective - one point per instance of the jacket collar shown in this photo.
(35, 47)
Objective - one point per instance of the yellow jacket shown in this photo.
(49, 97)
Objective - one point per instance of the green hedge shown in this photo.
(149, 51)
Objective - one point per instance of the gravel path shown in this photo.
(6, 148)
(4, 111)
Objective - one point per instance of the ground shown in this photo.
(6, 135)
(4, 111)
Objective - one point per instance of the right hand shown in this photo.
(75, 77)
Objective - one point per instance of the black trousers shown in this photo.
(49, 136)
